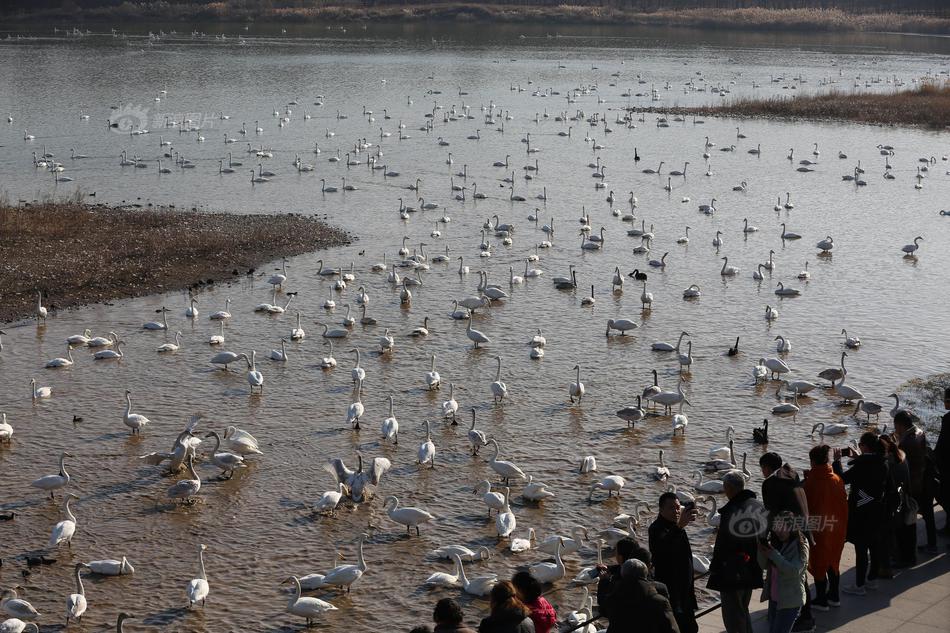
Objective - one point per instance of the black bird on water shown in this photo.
(734, 349)
(636, 274)
(760, 434)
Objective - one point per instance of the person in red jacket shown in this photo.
(529, 589)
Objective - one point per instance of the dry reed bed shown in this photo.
(759, 19)
(925, 106)
(79, 254)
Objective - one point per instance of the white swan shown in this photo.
(478, 586)
(170, 347)
(662, 471)
(518, 544)
(390, 427)
(850, 341)
(722, 452)
(507, 470)
(450, 406)
(610, 483)
(192, 310)
(476, 437)
(464, 553)
(727, 270)
(64, 530)
(241, 442)
(576, 389)
(17, 607)
(224, 460)
(409, 516)
(305, 607)
(280, 355)
(776, 366)
(346, 575)
(494, 500)
(662, 346)
(498, 388)
(445, 579)
(549, 572)
(330, 500)
(829, 429)
(847, 392)
(155, 325)
(535, 491)
(254, 377)
(505, 521)
(111, 567)
(712, 485)
(355, 410)
(186, 489)
(426, 452)
(198, 588)
(784, 346)
(6, 430)
(61, 362)
(221, 315)
(76, 602)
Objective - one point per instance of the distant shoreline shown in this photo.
(79, 254)
(926, 106)
(751, 19)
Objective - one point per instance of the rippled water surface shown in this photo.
(257, 525)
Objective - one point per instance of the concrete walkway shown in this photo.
(917, 600)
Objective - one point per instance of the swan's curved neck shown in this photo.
(359, 556)
(62, 466)
(69, 513)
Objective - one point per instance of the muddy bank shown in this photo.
(807, 19)
(926, 106)
(78, 254)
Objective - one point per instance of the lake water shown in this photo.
(257, 527)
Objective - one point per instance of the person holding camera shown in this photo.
(673, 558)
(784, 555)
(867, 477)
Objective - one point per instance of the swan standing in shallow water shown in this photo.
(426, 453)
(498, 388)
(433, 380)
(610, 483)
(64, 530)
(507, 470)
(224, 460)
(186, 489)
(549, 572)
(306, 607)
(505, 522)
(76, 602)
(254, 377)
(577, 387)
(198, 587)
(17, 607)
(409, 516)
(54, 482)
(346, 575)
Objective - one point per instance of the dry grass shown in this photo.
(78, 254)
(925, 106)
(758, 19)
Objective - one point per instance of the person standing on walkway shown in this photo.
(673, 558)
(784, 556)
(942, 455)
(734, 570)
(898, 508)
(923, 475)
(782, 492)
(828, 503)
(530, 590)
(866, 476)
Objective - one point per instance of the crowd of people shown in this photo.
(798, 528)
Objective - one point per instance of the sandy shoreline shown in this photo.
(79, 254)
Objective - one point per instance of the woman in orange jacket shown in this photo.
(828, 509)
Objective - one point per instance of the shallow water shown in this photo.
(256, 525)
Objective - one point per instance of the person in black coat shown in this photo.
(637, 605)
(942, 455)
(734, 570)
(673, 559)
(867, 477)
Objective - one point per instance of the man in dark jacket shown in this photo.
(637, 604)
(867, 478)
(734, 570)
(913, 442)
(673, 559)
(942, 455)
